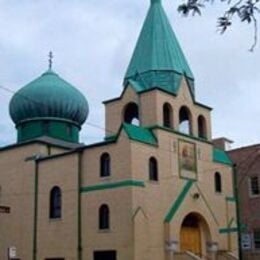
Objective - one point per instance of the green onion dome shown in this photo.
(49, 97)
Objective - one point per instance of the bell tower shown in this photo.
(159, 86)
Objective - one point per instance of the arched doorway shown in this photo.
(194, 234)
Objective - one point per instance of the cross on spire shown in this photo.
(50, 59)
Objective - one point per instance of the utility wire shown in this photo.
(48, 107)
(218, 168)
(90, 124)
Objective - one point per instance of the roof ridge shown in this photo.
(245, 147)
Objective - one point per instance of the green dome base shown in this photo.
(56, 129)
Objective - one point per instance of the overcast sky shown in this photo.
(93, 41)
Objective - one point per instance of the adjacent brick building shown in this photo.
(156, 186)
(247, 161)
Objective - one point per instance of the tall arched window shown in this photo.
(153, 169)
(167, 115)
(185, 120)
(105, 165)
(202, 127)
(55, 202)
(104, 218)
(131, 114)
(218, 182)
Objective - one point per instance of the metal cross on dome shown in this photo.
(50, 59)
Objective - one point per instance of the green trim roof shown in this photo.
(152, 127)
(158, 60)
(140, 134)
(228, 230)
(220, 156)
(138, 88)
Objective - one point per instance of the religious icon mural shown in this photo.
(187, 159)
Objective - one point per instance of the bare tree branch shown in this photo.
(255, 35)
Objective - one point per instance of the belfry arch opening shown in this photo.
(194, 234)
(202, 127)
(167, 115)
(185, 120)
(131, 114)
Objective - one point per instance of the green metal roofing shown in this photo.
(221, 156)
(139, 134)
(49, 96)
(111, 138)
(158, 60)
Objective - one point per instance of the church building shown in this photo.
(155, 188)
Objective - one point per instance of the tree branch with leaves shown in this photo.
(244, 10)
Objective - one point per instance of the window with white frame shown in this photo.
(254, 188)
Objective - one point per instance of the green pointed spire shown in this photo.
(158, 60)
(155, 1)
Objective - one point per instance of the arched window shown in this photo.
(185, 121)
(105, 165)
(202, 127)
(131, 114)
(167, 115)
(153, 169)
(55, 202)
(218, 182)
(104, 218)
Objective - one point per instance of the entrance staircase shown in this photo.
(182, 256)
(187, 256)
(224, 255)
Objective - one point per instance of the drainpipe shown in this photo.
(237, 210)
(79, 205)
(35, 209)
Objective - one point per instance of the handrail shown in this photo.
(228, 255)
(192, 255)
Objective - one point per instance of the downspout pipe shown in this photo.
(236, 193)
(79, 252)
(35, 221)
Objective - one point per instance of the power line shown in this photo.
(88, 123)
(38, 103)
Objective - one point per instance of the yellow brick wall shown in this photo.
(17, 181)
(58, 237)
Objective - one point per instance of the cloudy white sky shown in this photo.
(93, 41)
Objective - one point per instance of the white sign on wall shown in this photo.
(246, 241)
(12, 252)
(171, 245)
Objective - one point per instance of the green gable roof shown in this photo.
(139, 134)
(221, 156)
(158, 60)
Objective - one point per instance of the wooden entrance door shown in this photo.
(191, 240)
